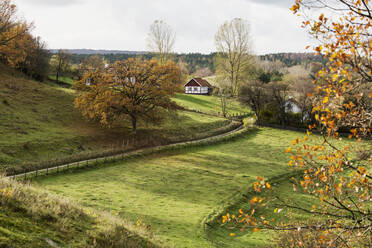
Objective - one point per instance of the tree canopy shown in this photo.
(128, 90)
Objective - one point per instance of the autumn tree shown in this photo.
(60, 63)
(336, 175)
(93, 62)
(161, 40)
(11, 25)
(233, 45)
(128, 90)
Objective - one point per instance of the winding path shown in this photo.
(124, 155)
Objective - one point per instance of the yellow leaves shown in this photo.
(232, 234)
(319, 48)
(288, 150)
(362, 170)
(268, 185)
(254, 200)
(321, 17)
(290, 163)
(226, 218)
(295, 7)
(256, 229)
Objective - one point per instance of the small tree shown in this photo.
(254, 94)
(278, 93)
(61, 63)
(233, 45)
(93, 62)
(303, 89)
(161, 40)
(132, 89)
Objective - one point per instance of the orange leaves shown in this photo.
(268, 185)
(254, 200)
(295, 7)
(319, 48)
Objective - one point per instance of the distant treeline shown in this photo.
(196, 61)
(292, 59)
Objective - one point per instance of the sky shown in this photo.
(124, 24)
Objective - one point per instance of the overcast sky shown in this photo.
(124, 24)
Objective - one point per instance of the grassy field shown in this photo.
(65, 80)
(38, 122)
(209, 104)
(34, 218)
(174, 191)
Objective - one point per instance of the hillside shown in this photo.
(31, 217)
(39, 123)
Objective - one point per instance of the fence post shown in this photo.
(57, 168)
(36, 173)
(25, 176)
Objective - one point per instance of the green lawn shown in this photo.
(209, 104)
(66, 80)
(174, 191)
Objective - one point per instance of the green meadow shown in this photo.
(173, 192)
(209, 104)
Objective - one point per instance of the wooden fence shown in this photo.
(120, 157)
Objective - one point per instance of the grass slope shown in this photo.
(38, 122)
(209, 104)
(65, 80)
(175, 191)
(31, 217)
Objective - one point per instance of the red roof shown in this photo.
(201, 82)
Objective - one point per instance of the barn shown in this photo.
(198, 86)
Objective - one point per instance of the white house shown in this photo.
(198, 86)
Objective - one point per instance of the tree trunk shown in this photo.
(134, 124)
(57, 77)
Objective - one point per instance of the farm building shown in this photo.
(198, 86)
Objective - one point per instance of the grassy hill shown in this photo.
(32, 217)
(175, 191)
(209, 104)
(38, 122)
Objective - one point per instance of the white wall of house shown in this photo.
(196, 90)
